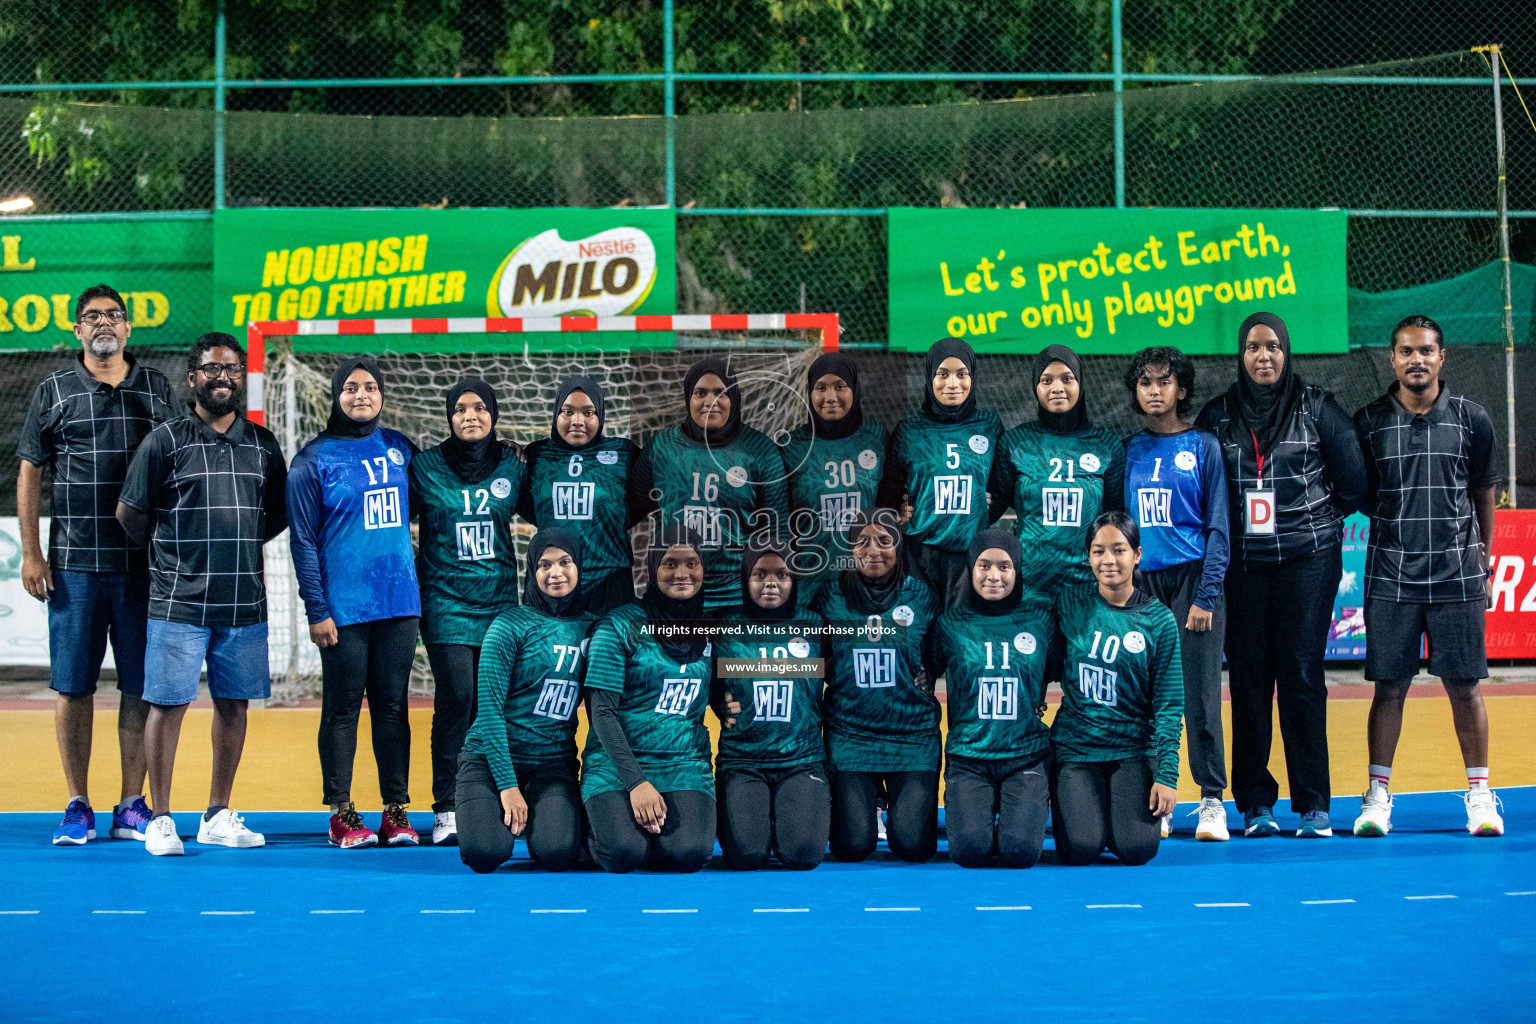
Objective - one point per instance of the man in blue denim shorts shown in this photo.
(206, 491)
(85, 421)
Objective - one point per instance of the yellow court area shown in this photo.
(281, 768)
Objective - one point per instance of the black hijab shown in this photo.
(473, 461)
(944, 349)
(1007, 542)
(1075, 419)
(1263, 409)
(662, 608)
(716, 435)
(750, 609)
(593, 390)
(339, 425)
(555, 607)
(841, 366)
(874, 596)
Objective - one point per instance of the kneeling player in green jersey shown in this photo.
(992, 651)
(646, 779)
(882, 716)
(1116, 735)
(578, 480)
(464, 491)
(517, 774)
(834, 464)
(1057, 473)
(772, 784)
(717, 476)
(937, 467)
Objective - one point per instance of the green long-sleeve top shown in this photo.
(994, 678)
(1122, 691)
(529, 684)
(779, 725)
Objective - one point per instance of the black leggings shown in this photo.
(996, 807)
(911, 814)
(788, 810)
(372, 658)
(454, 667)
(686, 842)
(1102, 804)
(553, 832)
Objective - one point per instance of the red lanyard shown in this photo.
(1258, 455)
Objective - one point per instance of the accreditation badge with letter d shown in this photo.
(1259, 511)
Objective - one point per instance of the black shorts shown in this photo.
(1393, 632)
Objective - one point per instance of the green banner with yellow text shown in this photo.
(162, 268)
(1104, 281)
(330, 264)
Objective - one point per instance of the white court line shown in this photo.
(556, 910)
(672, 910)
(1320, 903)
(781, 910)
(1223, 904)
(1528, 892)
(226, 913)
(17, 912)
(337, 911)
(1004, 908)
(117, 911)
(447, 911)
(1442, 896)
(892, 910)
(1112, 906)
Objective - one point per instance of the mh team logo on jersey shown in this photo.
(677, 696)
(772, 699)
(1154, 506)
(952, 495)
(705, 521)
(998, 698)
(557, 699)
(839, 510)
(477, 540)
(1098, 684)
(381, 508)
(874, 668)
(574, 499)
(1061, 506)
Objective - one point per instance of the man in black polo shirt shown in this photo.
(1430, 468)
(206, 491)
(85, 421)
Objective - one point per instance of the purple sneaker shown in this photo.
(78, 826)
(131, 821)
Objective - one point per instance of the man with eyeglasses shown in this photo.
(85, 421)
(206, 491)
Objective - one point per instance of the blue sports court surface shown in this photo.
(1427, 924)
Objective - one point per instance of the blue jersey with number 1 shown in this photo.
(1176, 487)
(350, 529)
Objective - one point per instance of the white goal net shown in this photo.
(644, 395)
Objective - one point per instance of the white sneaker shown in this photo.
(445, 829)
(227, 828)
(160, 837)
(1165, 825)
(1482, 812)
(1212, 827)
(1375, 813)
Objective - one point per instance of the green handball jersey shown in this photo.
(830, 482)
(529, 686)
(468, 569)
(994, 679)
(585, 491)
(726, 493)
(943, 468)
(879, 718)
(1056, 484)
(780, 721)
(1122, 691)
(661, 709)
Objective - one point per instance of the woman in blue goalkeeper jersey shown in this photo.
(1176, 487)
(349, 518)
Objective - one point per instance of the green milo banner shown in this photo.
(375, 264)
(162, 269)
(1106, 281)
